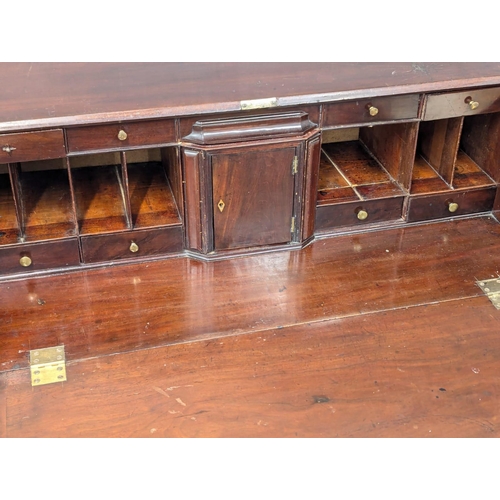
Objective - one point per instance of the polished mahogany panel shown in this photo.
(118, 246)
(111, 137)
(253, 195)
(346, 214)
(32, 146)
(105, 311)
(376, 375)
(44, 255)
(358, 112)
(62, 94)
(437, 206)
(249, 128)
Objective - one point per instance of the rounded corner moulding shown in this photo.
(248, 128)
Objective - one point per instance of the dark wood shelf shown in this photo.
(99, 200)
(468, 174)
(151, 198)
(425, 179)
(442, 163)
(9, 230)
(47, 205)
(349, 173)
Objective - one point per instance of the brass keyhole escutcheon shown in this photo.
(472, 104)
(362, 214)
(372, 110)
(221, 205)
(134, 247)
(452, 207)
(25, 261)
(122, 135)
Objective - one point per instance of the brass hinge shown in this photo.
(292, 227)
(491, 288)
(259, 103)
(48, 365)
(295, 165)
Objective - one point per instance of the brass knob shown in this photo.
(122, 135)
(472, 104)
(362, 214)
(372, 110)
(25, 261)
(134, 247)
(452, 207)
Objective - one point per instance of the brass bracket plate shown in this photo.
(491, 289)
(48, 365)
(270, 102)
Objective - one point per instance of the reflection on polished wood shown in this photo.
(352, 336)
(405, 373)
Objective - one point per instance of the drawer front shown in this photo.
(438, 206)
(32, 146)
(454, 104)
(120, 136)
(132, 244)
(347, 214)
(366, 111)
(39, 256)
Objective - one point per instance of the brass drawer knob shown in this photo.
(472, 104)
(122, 135)
(452, 206)
(372, 110)
(362, 214)
(25, 261)
(134, 247)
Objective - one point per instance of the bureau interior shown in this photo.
(366, 163)
(42, 200)
(9, 229)
(480, 141)
(456, 154)
(120, 191)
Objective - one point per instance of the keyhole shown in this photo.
(221, 205)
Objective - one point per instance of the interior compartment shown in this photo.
(9, 229)
(366, 163)
(456, 154)
(43, 198)
(122, 191)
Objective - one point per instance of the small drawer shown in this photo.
(32, 146)
(452, 104)
(39, 256)
(358, 213)
(366, 111)
(450, 204)
(132, 244)
(120, 136)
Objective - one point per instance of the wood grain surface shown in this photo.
(61, 94)
(428, 371)
(377, 334)
(119, 309)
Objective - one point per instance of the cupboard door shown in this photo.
(253, 197)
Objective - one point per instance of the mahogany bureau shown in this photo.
(106, 163)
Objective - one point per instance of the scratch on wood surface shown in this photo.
(161, 391)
